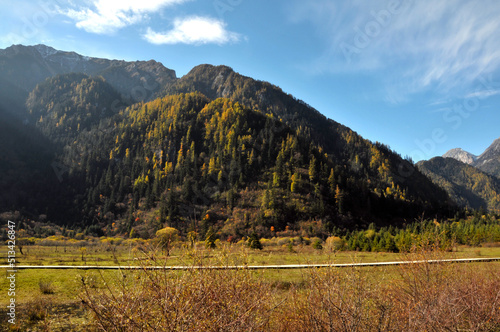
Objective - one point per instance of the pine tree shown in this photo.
(254, 241)
(331, 181)
(312, 169)
(339, 200)
(295, 182)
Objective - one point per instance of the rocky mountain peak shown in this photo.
(488, 161)
(461, 155)
(45, 50)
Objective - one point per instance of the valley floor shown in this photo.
(71, 300)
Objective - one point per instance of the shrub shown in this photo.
(338, 300)
(267, 242)
(426, 297)
(194, 300)
(46, 287)
(36, 310)
(335, 243)
(283, 241)
(134, 242)
(413, 297)
(447, 296)
(317, 243)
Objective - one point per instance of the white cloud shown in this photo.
(194, 30)
(106, 16)
(443, 46)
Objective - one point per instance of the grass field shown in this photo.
(60, 308)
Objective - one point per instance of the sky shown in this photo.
(421, 76)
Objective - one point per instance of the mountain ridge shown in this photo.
(223, 81)
(472, 181)
(27, 66)
(255, 156)
(488, 161)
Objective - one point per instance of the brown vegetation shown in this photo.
(205, 300)
(416, 297)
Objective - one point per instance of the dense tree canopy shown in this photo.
(241, 159)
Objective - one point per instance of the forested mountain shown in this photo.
(467, 185)
(218, 152)
(66, 105)
(472, 181)
(35, 137)
(200, 163)
(488, 161)
(26, 66)
(363, 159)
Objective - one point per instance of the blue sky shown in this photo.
(420, 76)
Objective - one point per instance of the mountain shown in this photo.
(12, 97)
(197, 163)
(35, 140)
(467, 185)
(26, 157)
(64, 105)
(215, 150)
(26, 66)
(471, 181)
(373, 161)
(461, 155)
(489, 160)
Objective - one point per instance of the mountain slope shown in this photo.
(183, 157)
(218, 150)
(64, 105)
(345, 147)
(195, 163)
(12, 98)
(26, 174)
(205, 154)
(467, 185)
(489, 160)
(33, 178)
(26, 66)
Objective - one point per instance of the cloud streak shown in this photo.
(194, 31)
(429, 45)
